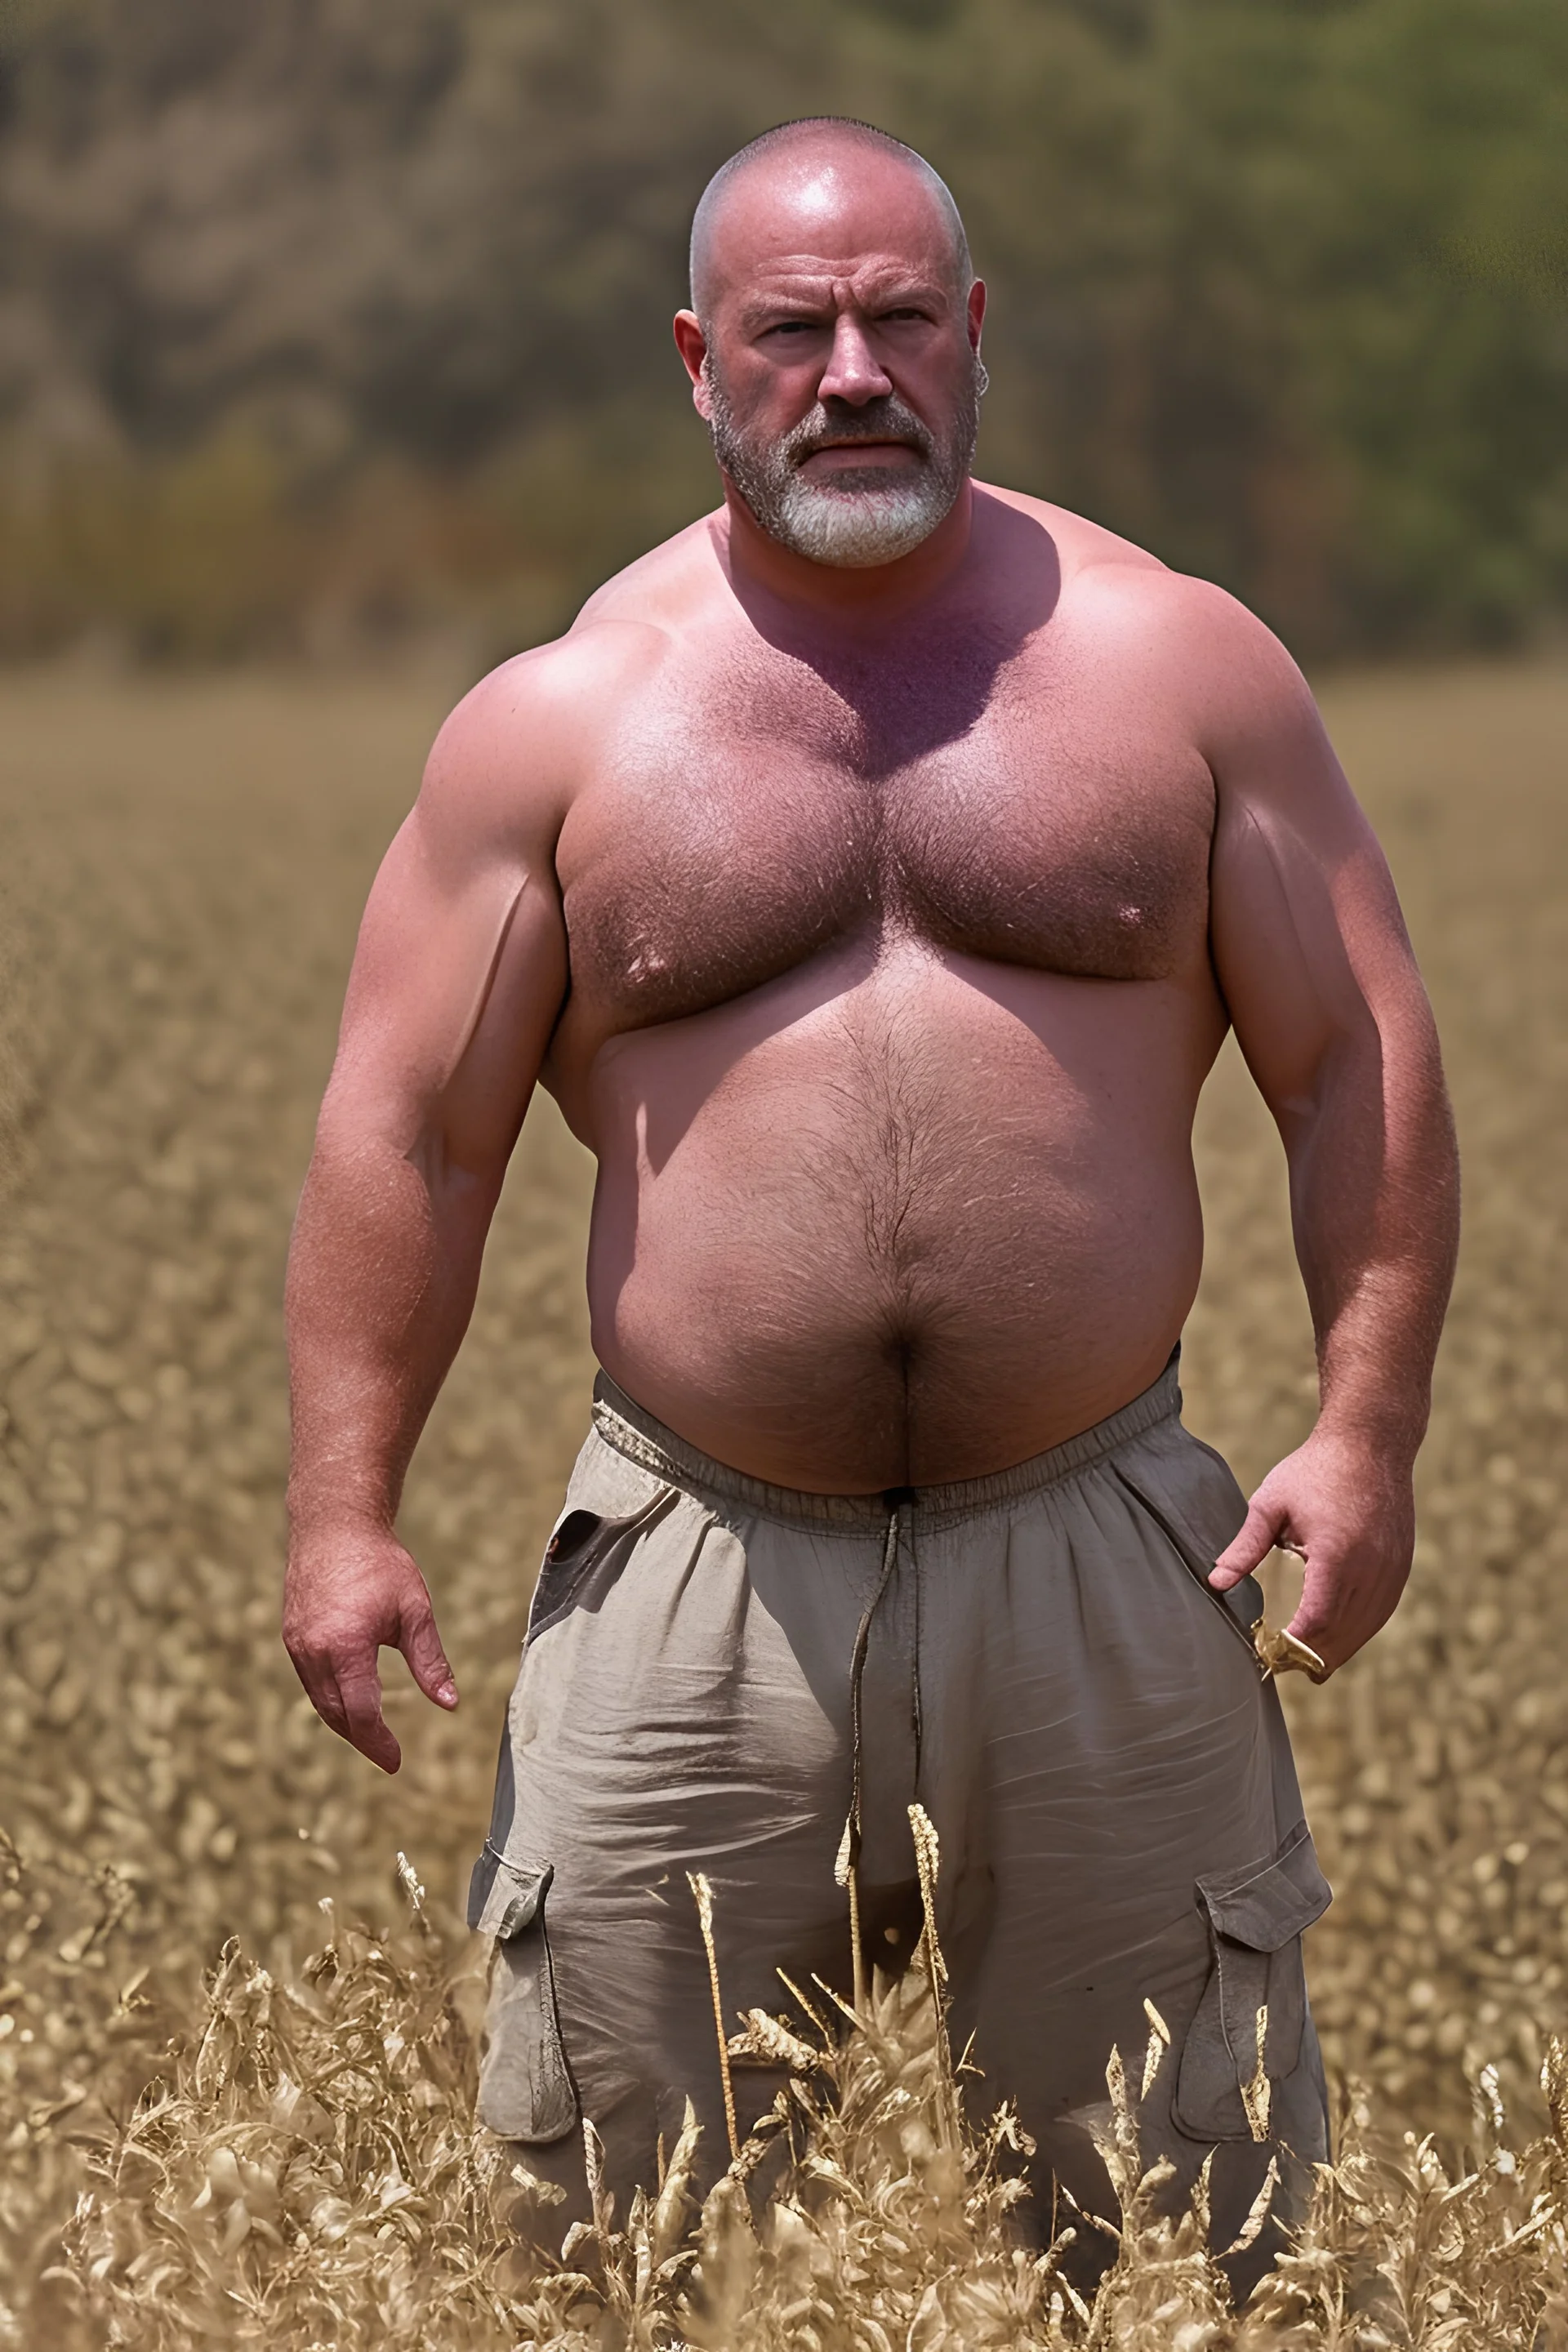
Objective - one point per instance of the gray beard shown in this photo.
(867, 515)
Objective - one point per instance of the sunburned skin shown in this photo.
(890, 1002)
(876, 929)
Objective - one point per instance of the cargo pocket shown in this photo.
(1256, 1917)
(526, 2091)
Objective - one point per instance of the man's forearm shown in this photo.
(1375, 1204)
(381, 1277)
(1375, 1197)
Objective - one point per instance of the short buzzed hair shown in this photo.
(812, 130)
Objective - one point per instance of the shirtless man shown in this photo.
(871, 874)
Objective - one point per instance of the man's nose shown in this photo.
(853, 374)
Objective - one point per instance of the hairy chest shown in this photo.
(726, 837)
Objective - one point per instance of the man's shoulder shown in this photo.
(1223, 665)
(535, 718)
(624, 633)
(663, 589)
(1120, 576)
(1081, 546)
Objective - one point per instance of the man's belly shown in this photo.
(901, 1220)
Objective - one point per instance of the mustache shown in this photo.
(887, 419)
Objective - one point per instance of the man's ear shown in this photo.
(692, 344)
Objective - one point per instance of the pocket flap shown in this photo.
(1265, 1904)
(525, 2089)
(1255, 1987)
(505, 1897)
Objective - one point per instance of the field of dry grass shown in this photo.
(183, 868)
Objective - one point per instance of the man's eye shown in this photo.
(894, 317)
(792, 327)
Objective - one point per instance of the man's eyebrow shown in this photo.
(814, 296)
(756, 309)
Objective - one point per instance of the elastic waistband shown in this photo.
(624, 1424)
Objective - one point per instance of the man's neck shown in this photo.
(841, 593)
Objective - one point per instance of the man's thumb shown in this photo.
(1250, 1547)
(421, 1646)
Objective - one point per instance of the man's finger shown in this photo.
(319, 1684)
(1336, 1627)
(1251, 1546)
(1327, 1630)
(421, 1646)
(366, 1727)
(327, 1699)
(1340, 1610)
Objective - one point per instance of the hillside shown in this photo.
(323, 321)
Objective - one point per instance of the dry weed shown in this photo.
(308, 2172)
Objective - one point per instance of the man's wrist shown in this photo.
(330, 1504)
(1392, 1428)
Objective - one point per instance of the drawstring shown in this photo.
(847, 1871)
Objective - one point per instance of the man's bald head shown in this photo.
(834, 341)
(796, 156)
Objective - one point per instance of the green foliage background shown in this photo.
(325, 319)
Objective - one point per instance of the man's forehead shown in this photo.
(821, 217)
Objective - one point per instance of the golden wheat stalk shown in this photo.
(928, 1862)
(1256, 2095)
(703, 1893)
(1159, 2042)
(846, 1874)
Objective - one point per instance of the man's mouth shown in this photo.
(864, 451)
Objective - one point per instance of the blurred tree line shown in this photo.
(326, 319)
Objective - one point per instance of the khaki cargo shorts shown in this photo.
(1042, 1667)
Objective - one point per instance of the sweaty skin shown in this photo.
(876, 930)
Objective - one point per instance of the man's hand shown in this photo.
(1347, 1506)
(349, 1593)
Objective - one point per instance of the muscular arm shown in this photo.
(457, 980)
(1329, 1010)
